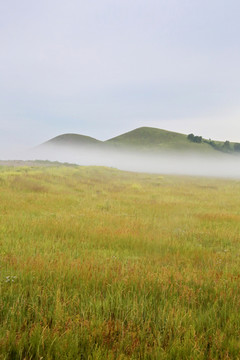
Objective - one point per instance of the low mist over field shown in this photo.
(223, 165)
(142, 150)
(179, 163)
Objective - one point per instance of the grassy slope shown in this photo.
(144, 138)
(72, 140)
(102, 264)
(152, 138)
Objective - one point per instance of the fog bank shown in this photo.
(217, 165)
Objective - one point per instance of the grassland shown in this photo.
(102, 264)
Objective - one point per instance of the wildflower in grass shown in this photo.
(10, 279)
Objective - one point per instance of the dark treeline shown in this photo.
(225, 147)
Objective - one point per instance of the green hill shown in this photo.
(72, 140)
(147, 139)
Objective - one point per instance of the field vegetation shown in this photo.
(101, 264)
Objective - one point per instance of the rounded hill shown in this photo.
(72, 140)
(157, 139)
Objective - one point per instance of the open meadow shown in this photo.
(97, 263)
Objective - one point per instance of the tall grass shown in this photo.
(102, 264)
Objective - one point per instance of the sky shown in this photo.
(101, 68)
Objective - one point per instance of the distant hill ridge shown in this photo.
(72, 139)
(146, 138)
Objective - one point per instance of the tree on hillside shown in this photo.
(191, 137)
(198, 139)
(195, 139)
(226, 146)
(236, 147)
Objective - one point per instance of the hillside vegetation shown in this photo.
(148, 139)
(72, 140)
(102, 264)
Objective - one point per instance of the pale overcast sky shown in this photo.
(103, 67)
